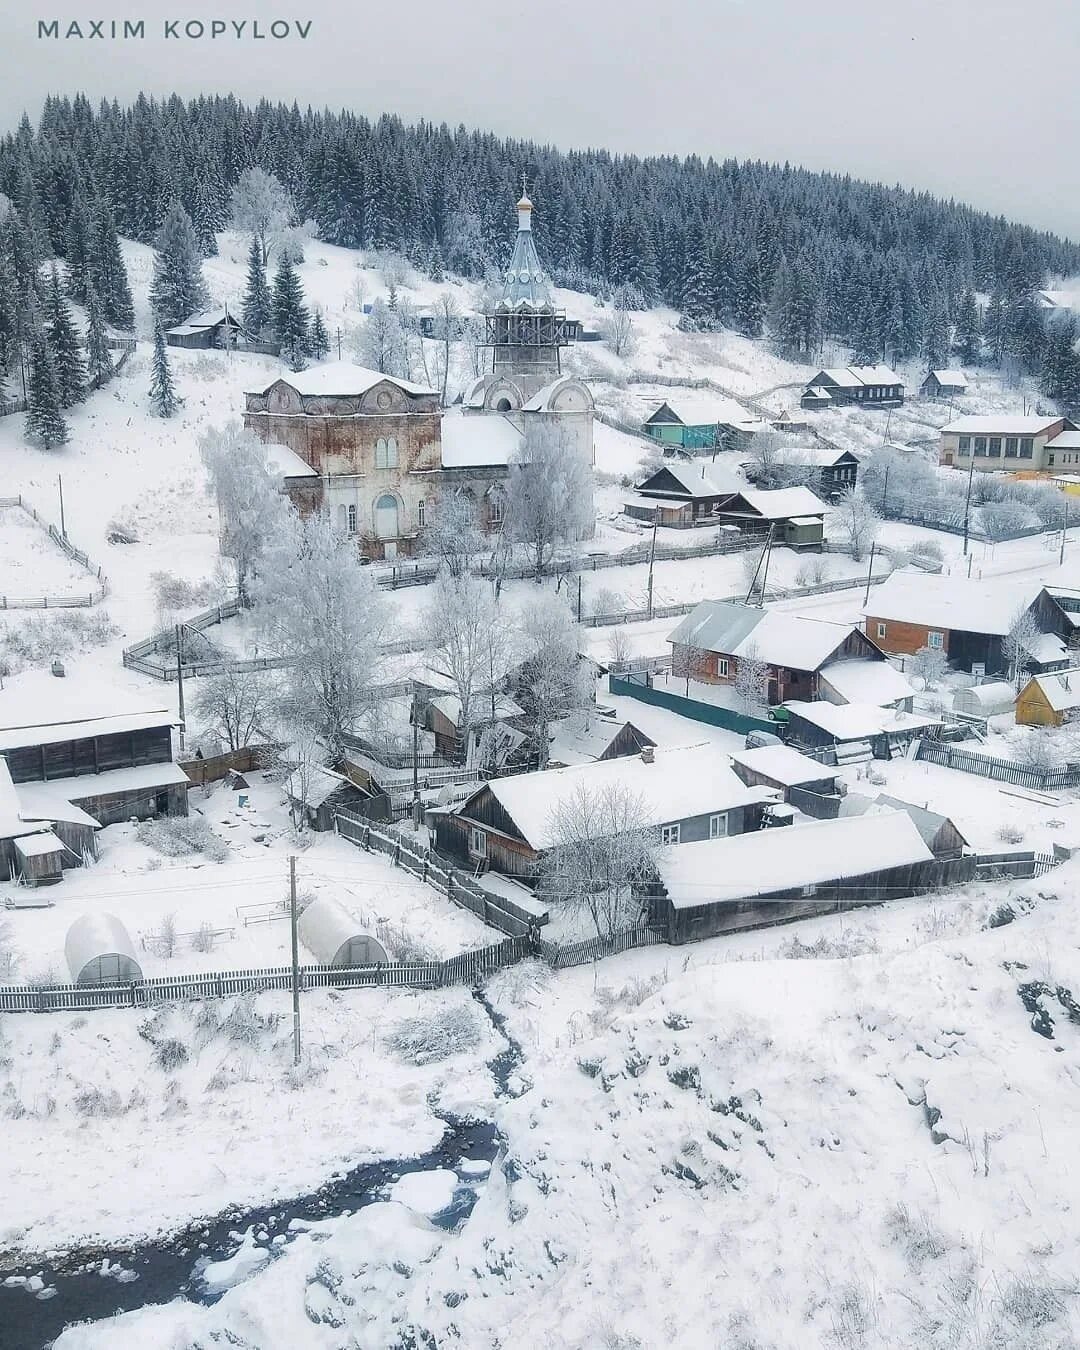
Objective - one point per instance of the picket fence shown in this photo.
(1002, 770)
(83, 601)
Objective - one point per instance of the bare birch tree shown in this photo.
(554, 678)
(453, 536)
(457, 619)
(234, 705)
(1020, 642)
(602, 852)
(250, 501)
(858, 523)
(549, 494)
(321, 611)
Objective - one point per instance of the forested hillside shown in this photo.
(890, 272)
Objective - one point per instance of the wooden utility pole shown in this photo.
(415, 762)
(869, 574)
(60, 486)
(579, 597)
(1064, 532)
(652, 558)
(337, 335)
(967, 503)
(180, 682)
(295, 962)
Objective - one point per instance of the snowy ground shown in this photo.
(33, 565)
(868, 1149)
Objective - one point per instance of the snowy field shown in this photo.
(33, 565)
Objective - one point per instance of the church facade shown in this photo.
(379, 452)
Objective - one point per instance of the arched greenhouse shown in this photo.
(334, 937)
(99, 951)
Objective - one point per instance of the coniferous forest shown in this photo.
(890, 272)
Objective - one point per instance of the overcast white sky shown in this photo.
(975, 99)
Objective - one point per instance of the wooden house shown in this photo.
(944, 384)
(760, 879)
(795, 515)
(583, 739)
(688, 793)
(699, 420)
(213, 328)
(1049, 700)
(854, 731)
(965, 619)
(866, 386)
(682, 493)
(41, 833)
(317, 794)
(825, 469)
(712, 640)
(114, 766)
(804, 783)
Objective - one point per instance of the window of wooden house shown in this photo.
(718, 825)
(993, 447)
(882, 630)
(1026, 447)
(722, 666)
(935, 641)
(980, 445)
(1010, 447)
(964, 446)
(477, 843)
(670, 834)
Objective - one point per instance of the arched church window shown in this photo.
(386, 516)
(380, 453)
(503, 405)
(391, 453)
(421, 513)
(352, 519)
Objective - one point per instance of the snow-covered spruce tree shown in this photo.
(549, 495)
(64, 344)
(936, 335)
(250, 502)
(77, 251)
(320, 610)
(108, 274)
(435, 262)
(257, 306)
(206, 216)
(177, 289)
(318, 337)
(163, 398)
(45, 423)
(968, 328)
(98, 358)
(290, 314)
(603, 850)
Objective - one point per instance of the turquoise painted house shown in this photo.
(701, 422)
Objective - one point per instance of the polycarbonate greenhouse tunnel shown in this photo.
(99, 950)
(335, 938)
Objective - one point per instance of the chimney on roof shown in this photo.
(646, 754)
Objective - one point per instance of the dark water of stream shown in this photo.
(168, 1269)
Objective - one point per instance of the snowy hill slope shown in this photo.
(866, 1152)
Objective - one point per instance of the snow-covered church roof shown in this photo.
(525, 285)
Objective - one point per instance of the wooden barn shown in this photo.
(1049, 700)
(761, 879)
(786, 770)
(41, 833)
(944, 384)
(854, 730)
(687, 793)
(317, 794)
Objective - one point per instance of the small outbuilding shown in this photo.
(944, 384)
(317, 794)
(40, 858)
(334, 937)
(99, 951)
(1049, 700)
(992, 699)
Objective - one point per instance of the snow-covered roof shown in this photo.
(784, 503)
(474, 395)
(946, 603)
(29, 717)
(1001, 424)
(1060, 689)
(701, 408)
(575, 742)
(986, 700)
(280, 459)
(341, 378)
(843, 376)
(12, 821)
(783, 765)
(1046, 648)
(47, 802)
(878, 374)
(478, 439)
(777, 637)
(818, 391)
(698, 478)
(1064, 440)
(816, 456)
(866, 681)
(857, 721)
(325, 927)
(680, 782)
(137, 778)
(450, 707)
(763, 862)
(544, 395)
(950, 379)
(39, 845)
(320, 784)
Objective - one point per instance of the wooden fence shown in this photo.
(1001, 770)
(83, 601)
(125, 346)
(216, 767)
(562, 956)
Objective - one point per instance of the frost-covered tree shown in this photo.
(234, 705)
(602, 854)
(447, 317)
(257, 306)
(45, 423)
(108, 275)
(549, 495)
(453, 535)
(456, 621)
(968, 328)
(163, 397)
(64, 344)
(752, 679)
(290, 314)
(1020, 642)
(929, 664)
(381, 345)
(252, 508)
(618, 328)
(177, 289)
(78, 252)
(260, 206)
(552, 678)
(322, 612)
(318, 337)
(857, 522)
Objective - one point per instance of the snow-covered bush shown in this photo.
(170, 1055)
(9, 953)
(813, 571)
(172, 592)
(179, 836)
(402, 945)
(927, 549)
(245, 1025)
(35, 639)
(425, 1040)
(917, 1234)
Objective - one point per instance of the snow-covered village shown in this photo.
(539, 746)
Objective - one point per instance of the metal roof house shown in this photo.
(1049, 700)
(99, 950)
(944, 384)
(335, 938)
(699, 420)
(868, 386)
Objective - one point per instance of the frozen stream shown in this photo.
(93, 1283)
